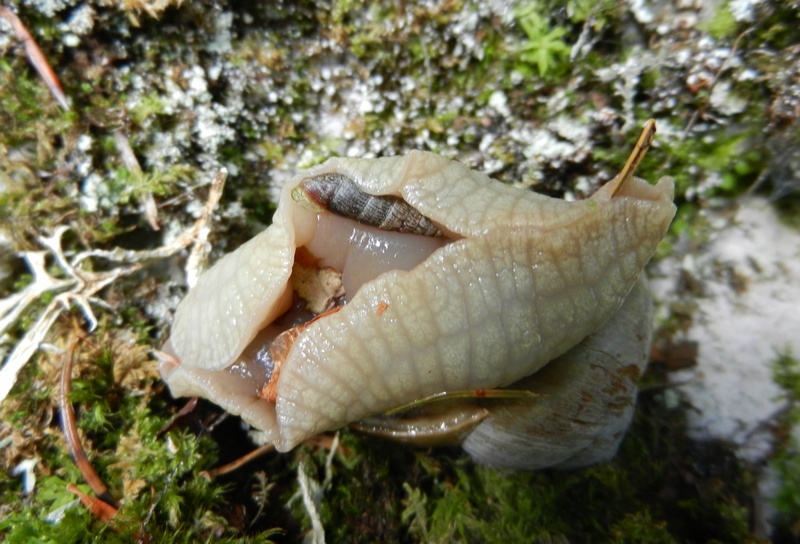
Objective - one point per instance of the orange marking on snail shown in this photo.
(279, 351)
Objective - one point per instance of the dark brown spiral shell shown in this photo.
(339, 194)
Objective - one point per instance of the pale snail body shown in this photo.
(518, 279)
(584, 406)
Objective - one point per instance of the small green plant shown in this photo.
(544, 47)
(722, 24)
(580, 11)
(786, 373)
(160, 183)
(640, 527)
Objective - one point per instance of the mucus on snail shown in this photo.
(452, 283)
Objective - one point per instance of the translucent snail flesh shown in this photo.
(502, 289)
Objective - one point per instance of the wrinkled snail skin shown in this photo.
(524, 279)
(583, 403)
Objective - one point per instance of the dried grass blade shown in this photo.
(36, 57)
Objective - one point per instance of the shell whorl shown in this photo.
(339, 194)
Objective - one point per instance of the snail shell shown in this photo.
(517, 280)
(339, 194)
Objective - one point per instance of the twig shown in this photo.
(329, 462)
(70, 431)
(196, 262)
(636, 156)
(427, 64)
(238, 463)
(36, 57)
(143, 537)
(82, 284)
(585, 35)
(132, 164)
(99, 508)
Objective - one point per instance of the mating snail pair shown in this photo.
(508, 321)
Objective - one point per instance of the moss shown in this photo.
(392, 494)
(149, 105)
(722, 24)
(662, 487)
(543, 47)
(639, 527)
(160, 477)
(786, 464)
(605, 11)
(777, 24)
(28, 111)
(127, 186)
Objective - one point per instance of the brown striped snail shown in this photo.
(445, 287)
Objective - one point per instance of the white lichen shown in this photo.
(499, 102)
(80, 22)
(93, 191)
(641, 11)
(221, 41)
(625, 77)
(743, 11)
(725, 101)
(49, 7)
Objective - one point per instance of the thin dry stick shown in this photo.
(636, 156)
(36, 57)
(102, 510)
(132, 164)
(196, 262)
(84, 284)
(241, 461)
(71, 434)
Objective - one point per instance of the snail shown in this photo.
(508, 321)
